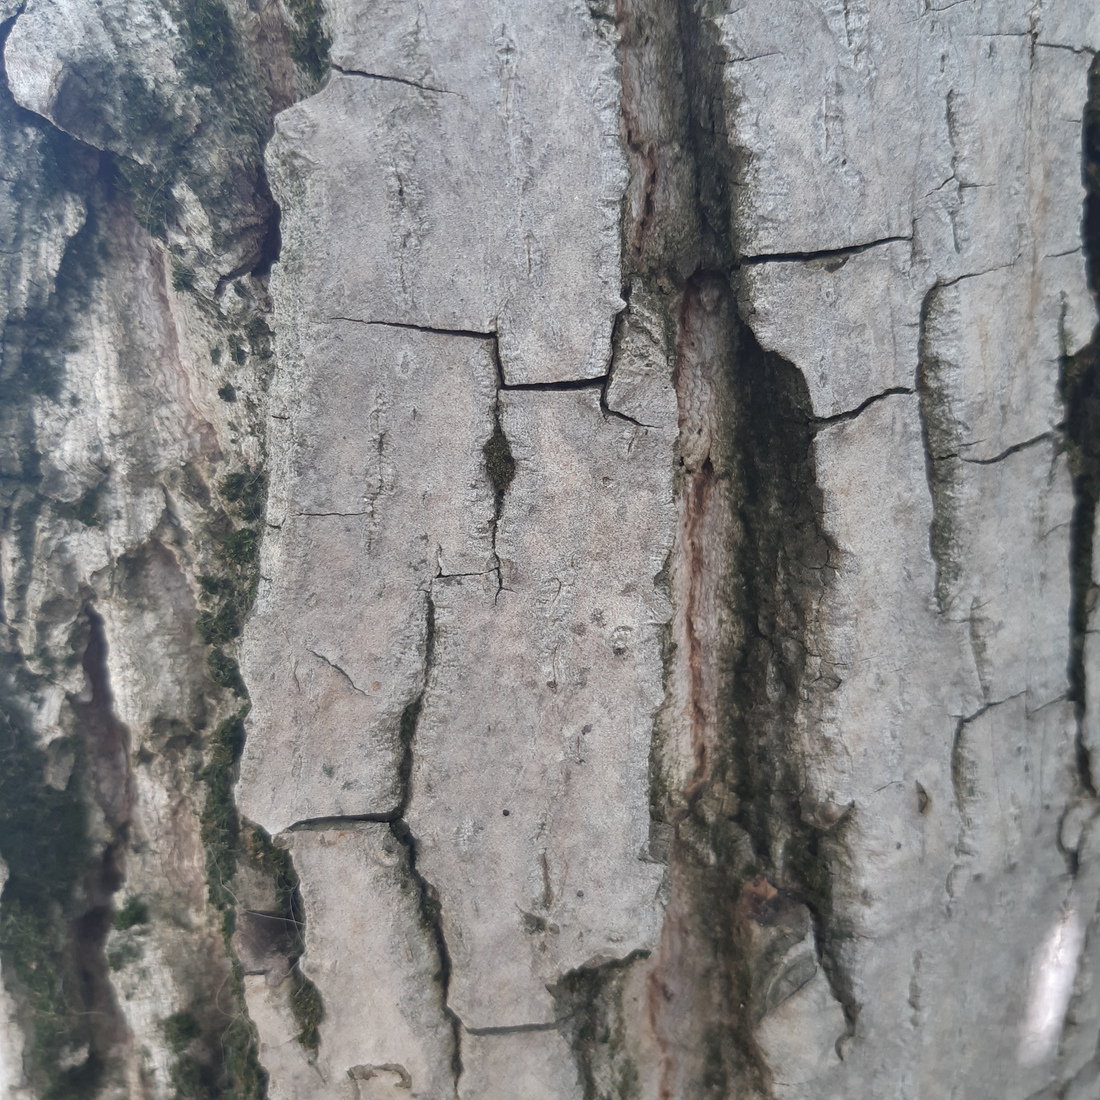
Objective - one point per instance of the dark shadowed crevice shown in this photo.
(107, 749)
(232, 1062)
(271, 245)
(940, 437)
(431, 915)
(58, 933)
(56, 908)
(752, 542)
(1081, 397)
(820, 422)
(44, 842)
(841, 254)
(500, 464)
(785, 565)
(105, 745)
(267, 241)
(588, 1012)
(563, 386)
(258, 937)
(716, 161)
(107, 739)
(782, 564)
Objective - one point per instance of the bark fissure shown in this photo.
(565, 386)
(1016, 448)
(964, 788)
(938, 434)
(323, 824)
(513, 1029)
(428, 897)
(588, 1010)
(431, 914)
(392, 80)
(107, 744)
(792, 724)
(342, 672)
(739, 816)
(500, 466)
(322, 515)
(820, 422)
(1080, 386)
(467, 334)
(841, 254)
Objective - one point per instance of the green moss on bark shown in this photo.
(309, 41)
(44, 842)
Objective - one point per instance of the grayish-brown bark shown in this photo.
(547, 549)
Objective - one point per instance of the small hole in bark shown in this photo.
(923, 799)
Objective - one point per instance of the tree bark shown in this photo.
(547, 550)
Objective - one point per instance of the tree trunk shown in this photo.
(547, 550)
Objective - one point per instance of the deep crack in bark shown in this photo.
(392, 80)
(820, 422)
(751, 529)
(430, 909)
(826, 254)
(1080, 387)
(1043, 437)
(940, 441)
(107, 745)
(500, 465)
(468, 334)
(336, 668)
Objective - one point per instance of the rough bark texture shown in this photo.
(548, 549)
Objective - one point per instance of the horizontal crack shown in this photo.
(824, 254)
(970, 275)
(468, 334)
(513, 1029)
(550, 387)
(344, 514)
(1064, 46)
(965, 720)
(315, 824)
(819, 422)
(601, 382)
(1061, 697)
(1043, 438)
(393, 80)
(754, 57)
